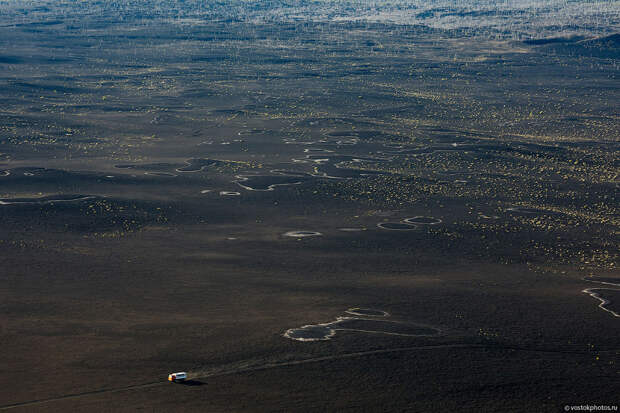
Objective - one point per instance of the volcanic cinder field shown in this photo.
(309, 206)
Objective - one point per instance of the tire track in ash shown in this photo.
(243, 368)
(247, 368)
(78, 395)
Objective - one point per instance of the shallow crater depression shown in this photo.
(421, 220)
(396, 226)
(367, 312)
(267, 182)
(302, 234)
(325, 331)
(310, 333)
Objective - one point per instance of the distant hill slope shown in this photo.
(552, 40)
(607, 47)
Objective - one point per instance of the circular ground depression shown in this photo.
(396, 226)
(367, 312)
(310, 333)
(421, 220)
(325, 331)
(302, 234)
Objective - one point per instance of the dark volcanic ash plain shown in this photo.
(179, 188)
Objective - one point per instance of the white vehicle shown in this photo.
(177, 376)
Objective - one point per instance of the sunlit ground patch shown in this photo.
(421, 220)
(396, 226)
(229, 193)
(302, 234)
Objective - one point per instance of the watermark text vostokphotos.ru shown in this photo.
(591, 408)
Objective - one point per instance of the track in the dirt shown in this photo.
(247, 368)
(77, 395)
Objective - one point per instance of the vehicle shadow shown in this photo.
(191, 383)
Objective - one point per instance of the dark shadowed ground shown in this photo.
(177, 196)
